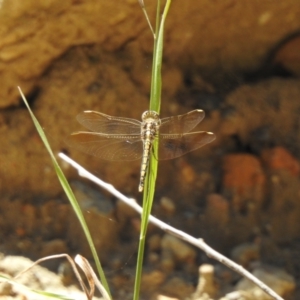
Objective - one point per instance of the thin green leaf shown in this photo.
(69, 194)
(155, 102)
(4, 278)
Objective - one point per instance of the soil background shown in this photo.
(239, 61)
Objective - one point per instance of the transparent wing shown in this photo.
(118, 148)
(182, 123)
(99, 122)
(181, 144)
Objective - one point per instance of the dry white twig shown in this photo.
(81, 262)
(199, 243)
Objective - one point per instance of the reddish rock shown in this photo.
(288, 55)
(243, 180)
(281, 158)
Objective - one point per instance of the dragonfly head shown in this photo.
(150, 114)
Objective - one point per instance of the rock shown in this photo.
(162, 297)
(287, 55)
(277, 279)
(167, 261)
(226, 276)
(217, 210)
(167, 205)
(99, 215)
(151, 281)
(284, 209)
(125, 24)
(261, 116)
(90, 198)
(279, 158)
(36, 278)
(154, 242)
(104, 233)
(243, 181)
(245, 254)
(56, 246)
(29, 218)
(182, 252)
(53, 215)
(216, 220)
(153, 258)
(238, 295)
(206, 284)
(6, 289)
(177, 287)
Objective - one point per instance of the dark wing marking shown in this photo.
(182, 123)
(99, 122)
(172, 146)
(118, 148)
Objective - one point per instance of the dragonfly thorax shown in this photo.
(150, 115)
(150, 125)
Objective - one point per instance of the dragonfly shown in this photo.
(124, 139)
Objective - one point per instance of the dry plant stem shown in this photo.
(171, 230)
(84, 288)
(86, 268)
(92, 278)
(141, 2)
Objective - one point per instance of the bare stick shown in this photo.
(141, 2)
(199, 243)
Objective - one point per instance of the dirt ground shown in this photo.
(239, 61)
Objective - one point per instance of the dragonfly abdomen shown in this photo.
(145, 163)
(148, 132)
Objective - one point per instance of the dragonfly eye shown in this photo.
(150, 114)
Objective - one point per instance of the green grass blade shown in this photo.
(155, 76)
(155, 101)
(69, 194)
(156, 83)
(4, 278)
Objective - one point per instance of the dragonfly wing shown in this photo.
(182, 123)
(118, 148)
(99, 122)
(178, 145)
